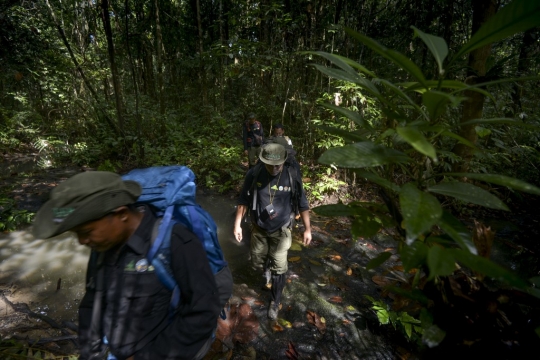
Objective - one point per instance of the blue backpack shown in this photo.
(170, 191)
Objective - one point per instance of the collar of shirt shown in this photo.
(138, 242)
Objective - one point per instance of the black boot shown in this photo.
(278, 284)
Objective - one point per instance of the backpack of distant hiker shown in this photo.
(258, 139)
(170, 191)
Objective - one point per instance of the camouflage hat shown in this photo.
(82, 198)
(273, 154)
(251, 116)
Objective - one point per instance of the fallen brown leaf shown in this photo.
(291, 352)
(349, 271)
(315, 319)
(336, 299)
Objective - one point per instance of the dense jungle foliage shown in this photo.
(432, 103)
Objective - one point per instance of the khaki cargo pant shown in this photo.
(274, 246)
(253, 155)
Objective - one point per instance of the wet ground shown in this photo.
(325, 313)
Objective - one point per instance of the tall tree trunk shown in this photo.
(60, 29)
(483, 10)
(202, 76)
(135, 85)
(527, 51)
(105, 16)
(159, 58)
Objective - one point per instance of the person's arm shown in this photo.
(240, 211)
(244, 137)
(196, 317)
(307, 225)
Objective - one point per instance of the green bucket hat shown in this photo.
(273, 154)
(82, 198)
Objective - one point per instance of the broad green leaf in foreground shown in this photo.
(469, 193)
(500, 180)
(488, 268)
(334, 210)
(377, 261)
(353, 78)
(392, 55)
(365, 225)
(519, 15)
(501, 121)
(436, 45)
(420, 211)
(353, 115)
(362, 154)
(437, 101)
(414, 255)
(440, 261)
(378, 180)
(353, 136)
(457, 231)
(417, 140)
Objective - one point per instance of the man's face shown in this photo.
(273, 169)
(104, 234)
(278, 132)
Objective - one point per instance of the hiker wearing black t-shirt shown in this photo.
(273, 192)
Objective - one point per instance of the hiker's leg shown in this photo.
(278, 284)
(253, 155)
(279, 243)
(259, 248)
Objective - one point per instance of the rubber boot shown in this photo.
(278, 284)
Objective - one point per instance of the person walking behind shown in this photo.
(125, 312)
(274, 192)
(253, 137)
(279, 137)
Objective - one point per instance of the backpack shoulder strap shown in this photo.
(253, 189)
(159, 255)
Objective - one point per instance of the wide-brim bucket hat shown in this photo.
(82, 198)
(273, 154)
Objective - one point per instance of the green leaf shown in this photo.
(414, 294)
(376, 262)
(353, 115)
(437, 101)
(383, 316)
(352, 136)
(417, 140)
(362, 154)
(457, 231)
(459, 138)
(394, 56)
(414, 255)
(502, 121)
(481, 131)
(420, 211)
(440, 262)
(378, 180)
(436, 45)
(336, 60)
(353, 64)
(489, 268)
(500, 180)
(401, 94)
(469, 193)
(334, 210)
(519, 15)
(365, 226)
(433, 336)
(345, 76)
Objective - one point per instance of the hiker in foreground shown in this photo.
(274, 193)
(125, 311)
